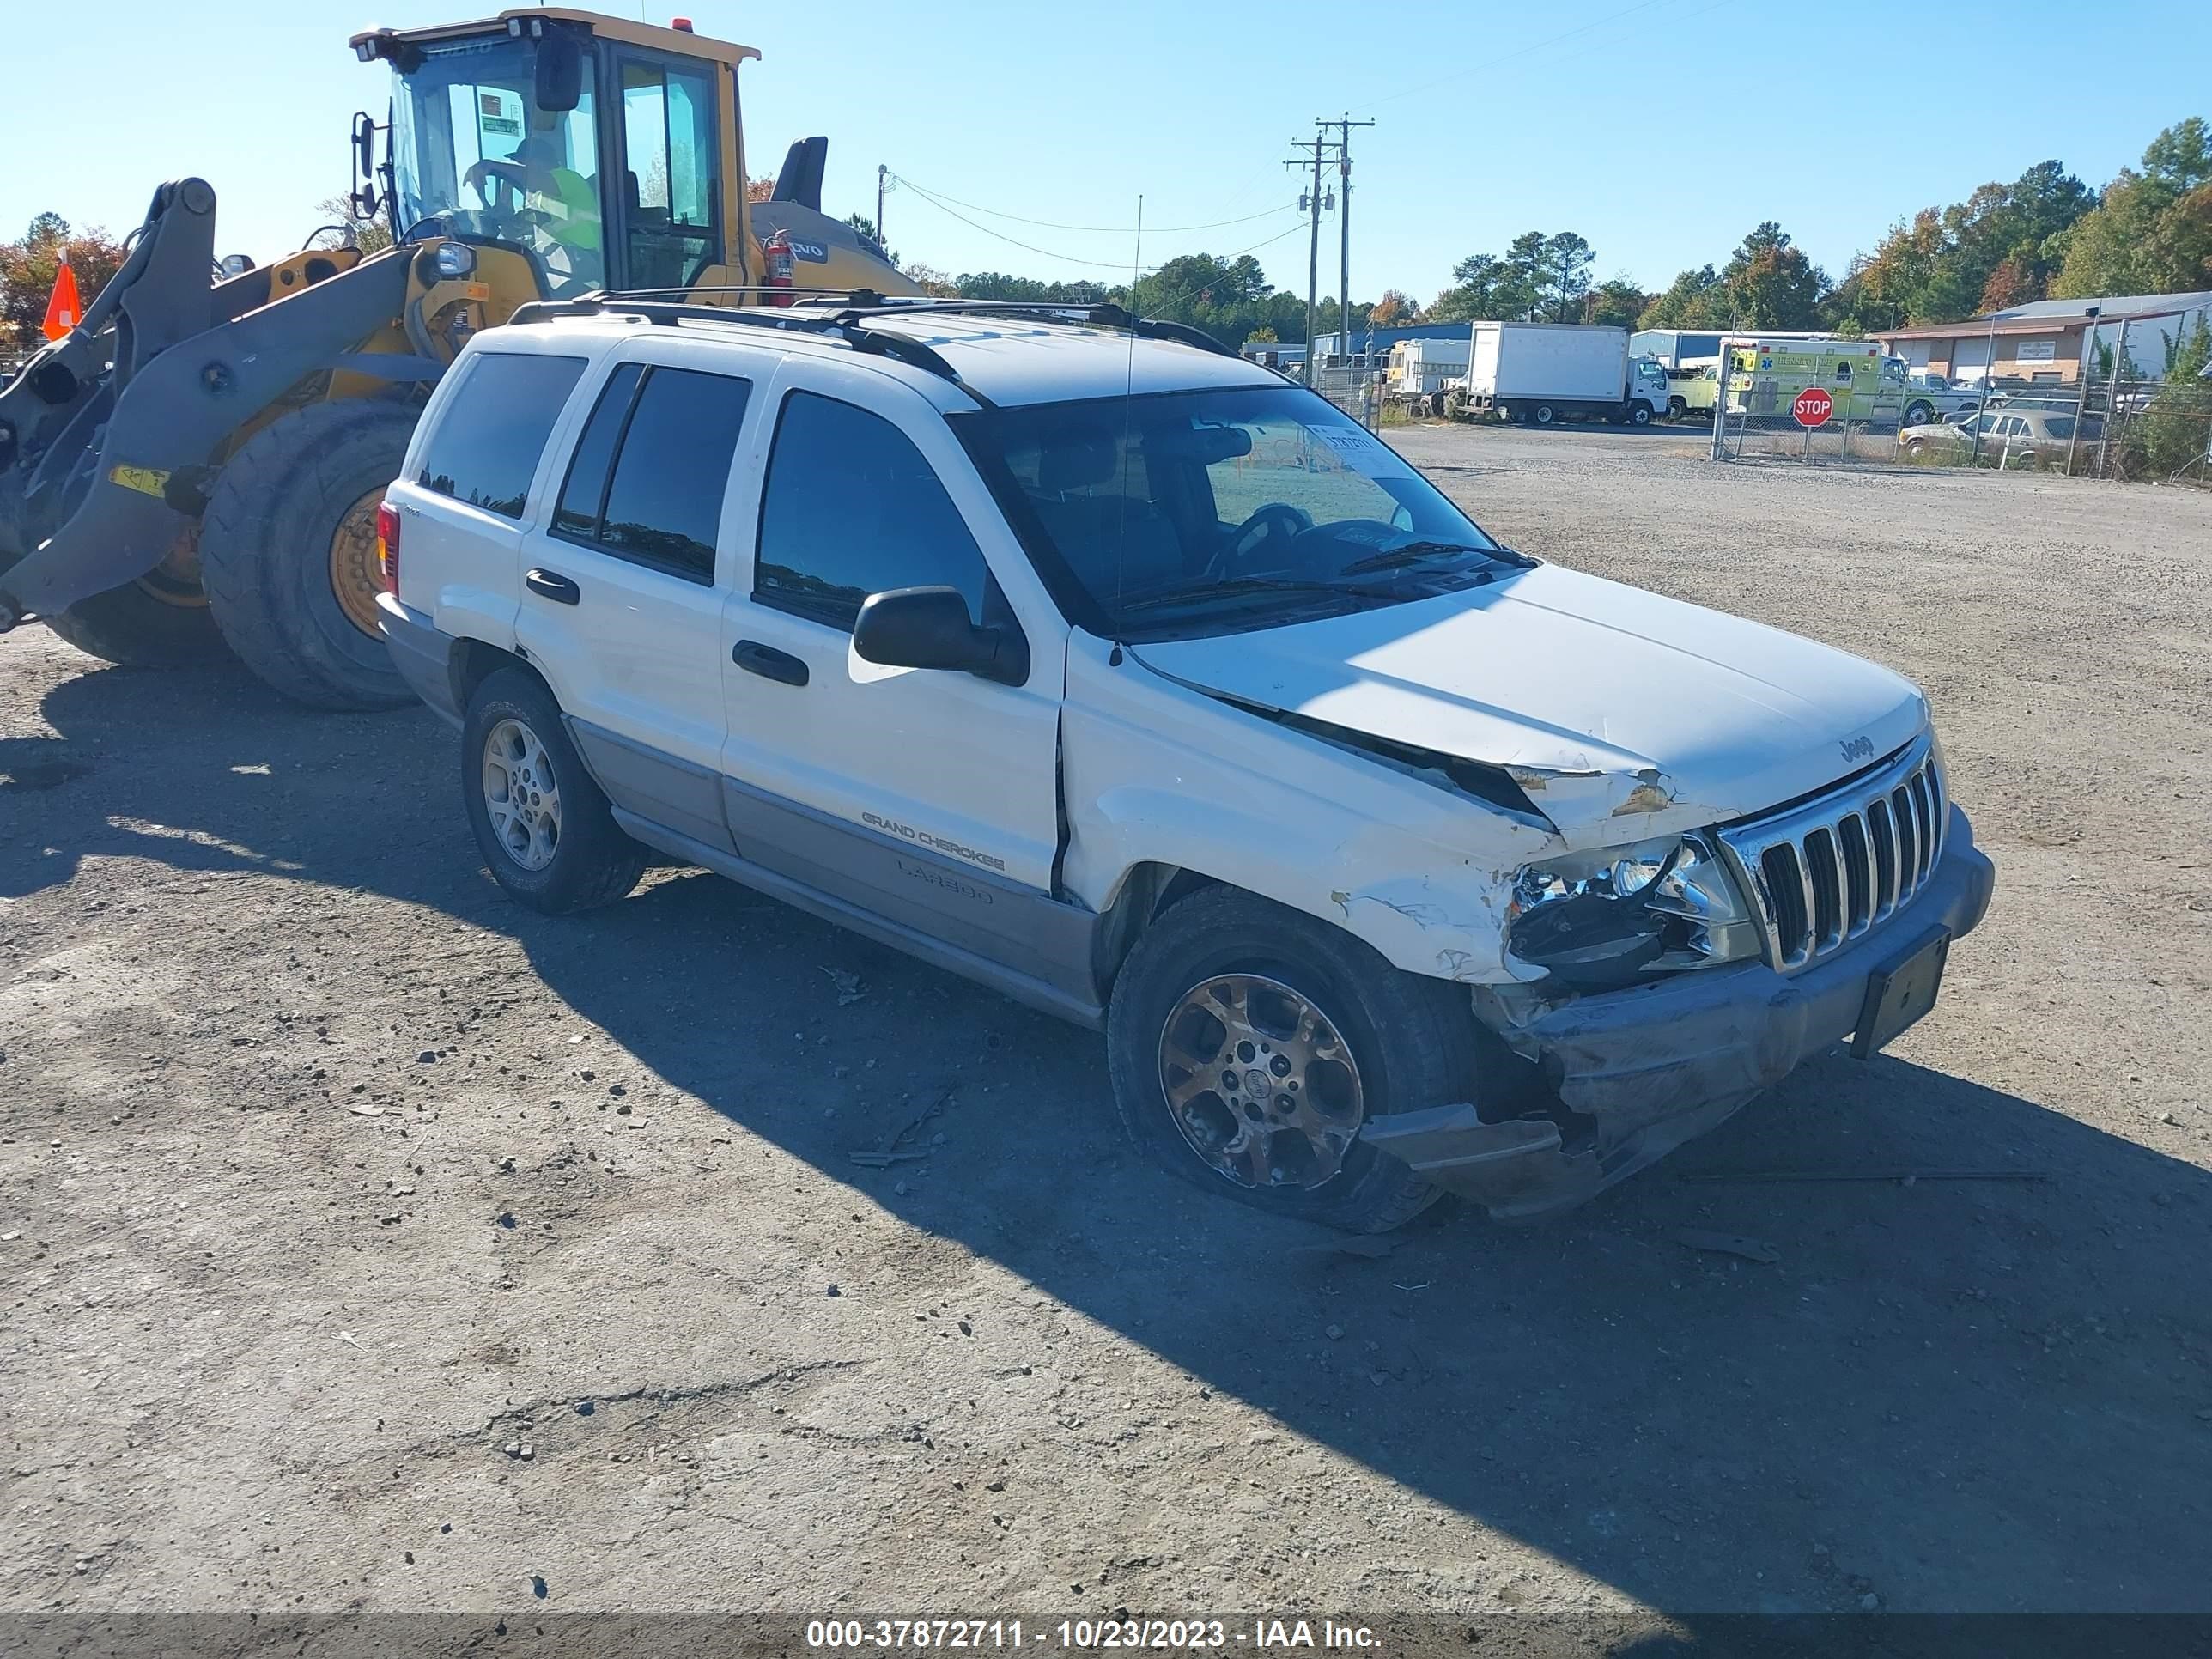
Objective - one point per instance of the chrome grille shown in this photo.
(1824, 873)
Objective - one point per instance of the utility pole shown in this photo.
(1344, 126)
(880, 171)
(1313, 151)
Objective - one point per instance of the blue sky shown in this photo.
(1662, 130)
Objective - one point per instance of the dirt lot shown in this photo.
(369, 1242)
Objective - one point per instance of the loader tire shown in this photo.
(159, 621)
(283, 534)
(142, 629)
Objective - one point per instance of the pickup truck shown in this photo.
(1927, 399)
(1067, 651)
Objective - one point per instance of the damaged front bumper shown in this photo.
(1640, 1072)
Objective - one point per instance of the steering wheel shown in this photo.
(1272, 521)
(512, 174)
(514, 178)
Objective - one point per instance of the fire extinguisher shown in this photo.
(777, 249)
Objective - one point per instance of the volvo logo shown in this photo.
(1858, 748)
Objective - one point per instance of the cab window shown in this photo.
(474, 155)
(672, 173)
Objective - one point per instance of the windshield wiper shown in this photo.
(1420, 552)
(1227, 585)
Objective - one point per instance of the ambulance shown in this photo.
(1766, 373)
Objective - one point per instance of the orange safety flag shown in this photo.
(63, 308)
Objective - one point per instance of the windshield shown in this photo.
(474, 156)
(1216, 512)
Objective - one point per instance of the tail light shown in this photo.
(387, 546)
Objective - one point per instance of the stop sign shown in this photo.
(1812, 407)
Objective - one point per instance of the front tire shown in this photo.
(1224, 972)
(540, 821)
(159, 621)
(1640, 415)
(286, 552)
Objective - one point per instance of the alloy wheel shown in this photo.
(522, 797)
(1260, 1082)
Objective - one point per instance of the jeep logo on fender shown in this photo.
(1858, 748)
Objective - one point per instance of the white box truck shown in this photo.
(1422, 369)
(1546, 373)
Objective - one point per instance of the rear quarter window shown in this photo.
(485, 447)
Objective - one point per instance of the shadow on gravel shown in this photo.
(1945, 1396)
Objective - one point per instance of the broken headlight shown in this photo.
(1602, 919)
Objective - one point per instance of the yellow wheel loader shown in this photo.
(198, 465)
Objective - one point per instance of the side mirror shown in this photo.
(559, 81)
(363, 195)
(236, 264)
(930, 627)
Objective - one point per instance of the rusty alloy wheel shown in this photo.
(1259, 1082)
(354, 578)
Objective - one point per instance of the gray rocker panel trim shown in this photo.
(683, 794)
(1022, 987)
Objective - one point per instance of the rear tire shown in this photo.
(270, 545)
(1919, 414)
(519, 769)
(1544, 415)
(1410, 1040)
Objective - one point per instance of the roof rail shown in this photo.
(1102, 314)
(853, 308)
(838, 326)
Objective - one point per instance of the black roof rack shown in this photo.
(1103, 314)
(852, 308)
(840, 326)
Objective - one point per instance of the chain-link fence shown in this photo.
(2141, 431)
(1358, 391)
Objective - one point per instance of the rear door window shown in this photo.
(646, 481)
(492, 431)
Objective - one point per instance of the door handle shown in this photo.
(549, 585)
(769, 663)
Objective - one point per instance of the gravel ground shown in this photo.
(370, 1242)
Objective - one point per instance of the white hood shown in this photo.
(1620, 713)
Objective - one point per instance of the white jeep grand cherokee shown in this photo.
(1071, 654)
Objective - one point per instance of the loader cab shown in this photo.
(604, 153)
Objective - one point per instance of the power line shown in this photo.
(1103, 230)
(1533, 47)
(1064, 258)
(1070, 259)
